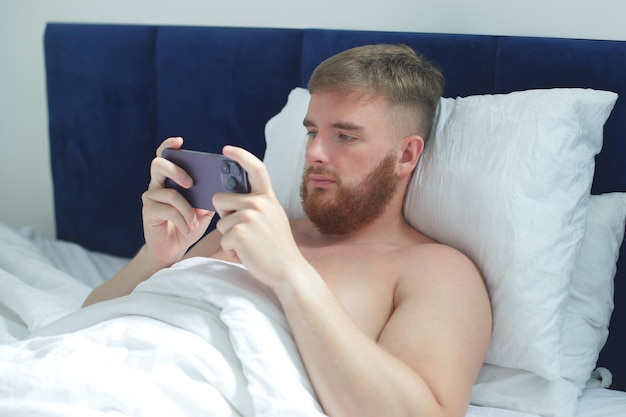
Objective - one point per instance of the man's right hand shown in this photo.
(170, 227)
(170, 224)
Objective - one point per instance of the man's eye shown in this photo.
(346, 138)
(311, 134)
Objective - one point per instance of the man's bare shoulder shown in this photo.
(439, 280)
(428, 251)
(432, 266)
(441, 323)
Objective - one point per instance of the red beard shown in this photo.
(353, 207)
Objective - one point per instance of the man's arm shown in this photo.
(431, 349)
(170, 227)
(141, 267)
(427, 356)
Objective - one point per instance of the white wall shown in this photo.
(25, 183)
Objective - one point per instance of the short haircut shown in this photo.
(396, 72)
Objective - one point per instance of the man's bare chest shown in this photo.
(363, 283)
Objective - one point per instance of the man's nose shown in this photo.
(316, 151)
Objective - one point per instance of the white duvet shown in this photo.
(200, 338)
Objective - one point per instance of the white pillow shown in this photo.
(505, 179)
(586, 323)
(590, 304)
(285, 138)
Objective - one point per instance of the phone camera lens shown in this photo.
(231, 183)
(225, 168)
(234, 169)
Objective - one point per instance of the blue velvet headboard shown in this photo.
(116, 91)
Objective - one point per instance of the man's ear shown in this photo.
(411, 148)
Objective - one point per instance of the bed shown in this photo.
(525, 174)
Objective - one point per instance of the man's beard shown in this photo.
(352, 207)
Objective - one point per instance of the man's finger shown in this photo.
(173, 142)
(161, 169)
(257, 173)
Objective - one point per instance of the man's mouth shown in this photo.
(320, 181)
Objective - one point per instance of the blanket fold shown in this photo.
(200, 338)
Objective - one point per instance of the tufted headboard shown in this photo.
(116, 91)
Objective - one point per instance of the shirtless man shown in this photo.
(387, 321)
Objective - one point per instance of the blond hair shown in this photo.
(403, 77)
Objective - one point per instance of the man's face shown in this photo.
(350, 168)
(350, 207)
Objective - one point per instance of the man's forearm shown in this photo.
(126, 280)
(351, 374)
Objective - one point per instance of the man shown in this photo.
(387, 321)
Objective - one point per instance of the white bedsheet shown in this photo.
(186, 342)
(202, 337)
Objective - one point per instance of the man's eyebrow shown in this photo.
(348, 126)
(339, 125)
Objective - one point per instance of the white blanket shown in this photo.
(200, 338)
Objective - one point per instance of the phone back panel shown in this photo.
(211, 173)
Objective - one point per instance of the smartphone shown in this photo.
(211, 173)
